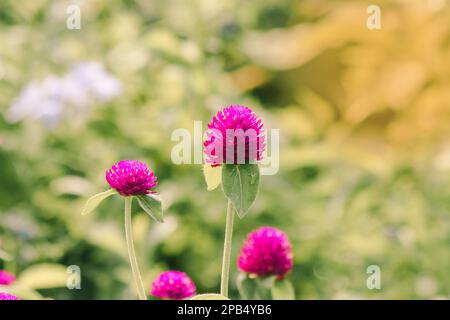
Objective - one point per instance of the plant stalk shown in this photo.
(227, 250)
(131, 252)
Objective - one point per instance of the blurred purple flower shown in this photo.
(266, 251)
(130, 178)
(173, 285)
(48, 100)
(96, 80)
(37, 101)
(238, 128)
(7, 296)
(6, 278)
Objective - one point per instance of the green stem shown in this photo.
(131, 252)
(227, 250)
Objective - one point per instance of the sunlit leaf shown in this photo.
(95, 200)
(213, 176)
(43, 276)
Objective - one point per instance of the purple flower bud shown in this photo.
(238, 130)
(6, 278)
(131, 178)
(265, 252)
(7, 296)
(173, 285)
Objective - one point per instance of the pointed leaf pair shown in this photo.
(268, 288)
(95, 200)
(151, 203)
(240, 183)
(254, 288)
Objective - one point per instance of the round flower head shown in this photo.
(265, 252)
(6, 278)
(7, 296)
(173, 285)
(131, 178)
(238, 130)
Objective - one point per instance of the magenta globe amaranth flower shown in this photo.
(6, 278)
(131, 178)
(134, 181)
(7, 296)
(265, 252)
(234, 136)
(173, 285)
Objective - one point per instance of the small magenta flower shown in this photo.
(7, 296)
(237, 129)
(265, 252)
(6, 278)
(235, 138)
(173, 285)
(131, 178)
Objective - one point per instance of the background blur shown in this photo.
(364, 119)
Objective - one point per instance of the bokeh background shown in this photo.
(364, 119)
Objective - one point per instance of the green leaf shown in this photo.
(209, 296)
(283, 290)
(254, 288)
(246, 287)
(95, 200)
(151, 204)
(240, 184)
(266, 282)
(43, 276)
(213, 176)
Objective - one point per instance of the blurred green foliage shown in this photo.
(365, 140)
